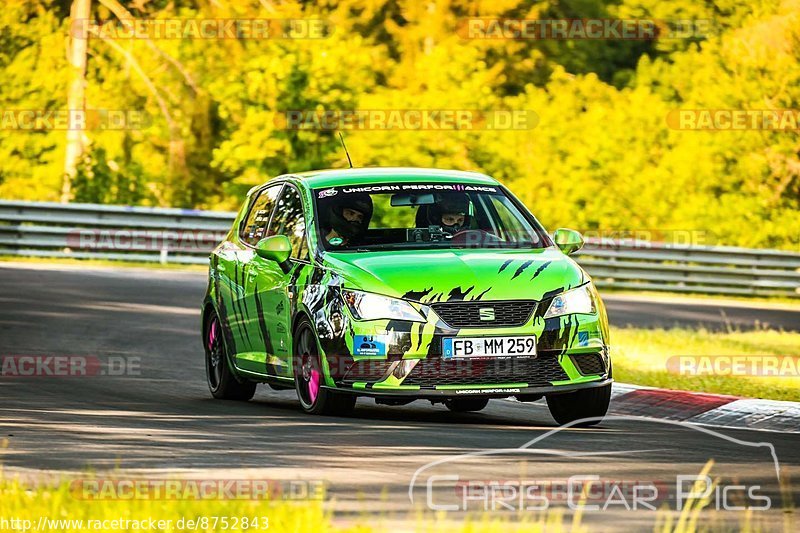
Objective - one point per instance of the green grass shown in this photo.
(58, 502)
(791, 301)
(28, 503)
(640, 357)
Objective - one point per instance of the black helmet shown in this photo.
(358, 202)
(450, 203)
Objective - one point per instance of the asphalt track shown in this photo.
(159, 419)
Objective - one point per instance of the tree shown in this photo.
(80, 13)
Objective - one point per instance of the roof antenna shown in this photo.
(341, 138)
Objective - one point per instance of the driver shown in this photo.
(451, 213)
(348, 218)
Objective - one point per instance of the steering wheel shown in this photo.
(475, 237)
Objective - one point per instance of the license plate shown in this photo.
(456, 347)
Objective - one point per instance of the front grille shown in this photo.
(535, 372)
(509, 313)
(368, 370)
(589, 364)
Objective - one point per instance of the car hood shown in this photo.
(440, 275)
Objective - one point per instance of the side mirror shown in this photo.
(568, 240)
(277, 248)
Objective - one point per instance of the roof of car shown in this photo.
(363, 176)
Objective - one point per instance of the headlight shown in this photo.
(368, 306)
(574, 301)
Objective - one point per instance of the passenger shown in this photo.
(451, 213)
(347, 219)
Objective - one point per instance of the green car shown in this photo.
(402, 284)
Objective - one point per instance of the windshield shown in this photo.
(401, 216)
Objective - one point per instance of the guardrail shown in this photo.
(83, 231)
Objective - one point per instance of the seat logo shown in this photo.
(486, 314)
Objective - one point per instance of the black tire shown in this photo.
(222, 382)
(466, 405)
(314, 399)
(584, 403)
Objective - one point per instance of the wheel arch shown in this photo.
(208, 306)
(300, 314)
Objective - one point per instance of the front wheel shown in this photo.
(308, 377)
(221, 381)
(585, 403)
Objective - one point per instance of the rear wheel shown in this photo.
(308, 377)
(222, 383)
(584, 403)
(465, 405)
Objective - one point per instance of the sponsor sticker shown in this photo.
(327, 193)
(418, 187)
(369, 345)
(486, 391)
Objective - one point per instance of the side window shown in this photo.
(289, 221)
(506, 219)
(255, 225)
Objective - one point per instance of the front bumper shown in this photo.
(483, 392)
(385, 357)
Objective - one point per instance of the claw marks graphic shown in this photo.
(457, 295)
(221, 309)
(321, 296)
(558, 331)
(541, 269)
(262, 326)
(401, 330)
(238, 296)
(522, 268)
(417, 296)
(417, 332)
(243, 304)
(481, 295)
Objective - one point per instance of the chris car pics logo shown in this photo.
(327, 193)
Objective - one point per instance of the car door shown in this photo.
(271, 286)
(249, 353)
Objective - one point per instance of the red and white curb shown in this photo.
(706, 409)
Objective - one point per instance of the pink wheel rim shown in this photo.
(212, 334)
(214, 355)
(313, 386)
